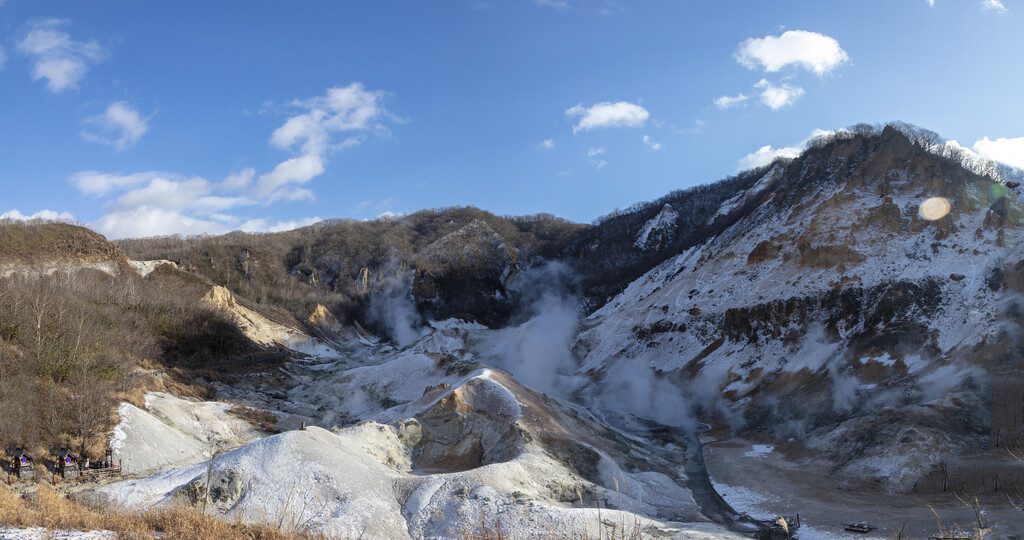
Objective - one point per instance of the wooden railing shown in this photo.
(105, 472)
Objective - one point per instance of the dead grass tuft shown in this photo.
(262, 418)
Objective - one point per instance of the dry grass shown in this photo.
(261, 418)
(52, 511)
(48, 509)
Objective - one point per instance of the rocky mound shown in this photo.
(55, 243)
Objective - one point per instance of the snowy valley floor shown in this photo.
(758, 480)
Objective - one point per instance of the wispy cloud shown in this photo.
(556, 4)
(595, 157)
(810, 50)
(57, 58)
(351, 110)
(3, 58)
(120, 126)
(607, 114)
(651, 145)
(728, 102)
(779, 96)
(547, 144)
(995, 6)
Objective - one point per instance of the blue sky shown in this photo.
(143, 118)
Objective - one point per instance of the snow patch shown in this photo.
(656, 231)
(760, 450)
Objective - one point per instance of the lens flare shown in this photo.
(997, 191)
(935, 208)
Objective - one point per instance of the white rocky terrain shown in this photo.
(416, 443)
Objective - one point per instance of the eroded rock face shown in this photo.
(464, 273)
(470, 427)
(223, 491)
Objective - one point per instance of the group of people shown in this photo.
(104, 464)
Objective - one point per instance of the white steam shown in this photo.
(538, 352)
(391, 308)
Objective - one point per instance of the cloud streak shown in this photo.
(728, 102)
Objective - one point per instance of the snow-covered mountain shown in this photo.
(833, 313)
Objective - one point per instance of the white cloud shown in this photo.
(145, 221)
(728, 102)
(994, 6)
(607, 114)
(1008, 151)
(810, 50)
(653, 146)
(547, 144)
(593, 154)
(2, 57)
(119, 126)
(49, 215)
(765, 155)
(56, 57)
(778, 97)
(155, 203)
(168, 194)
(931, 3)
